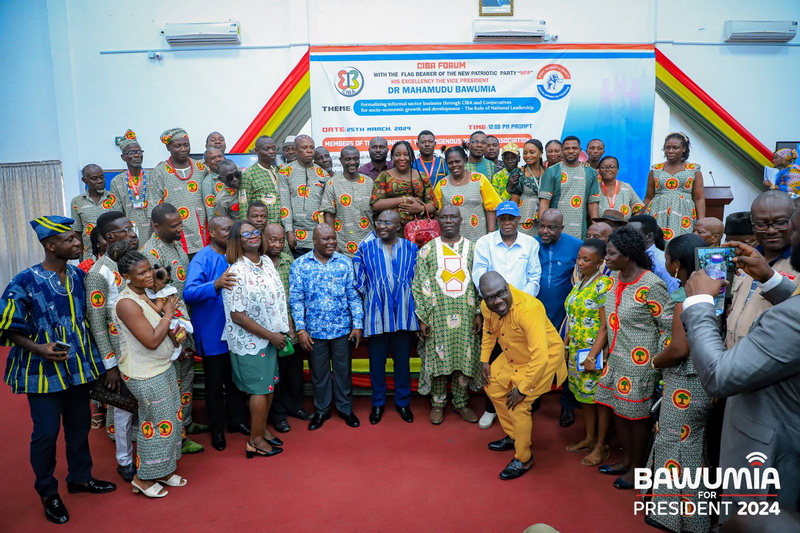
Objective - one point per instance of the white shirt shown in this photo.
(518, 263)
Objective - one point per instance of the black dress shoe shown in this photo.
(515, 469)
(282, 426)
(302, 414)
(251, 451)
(621, 484)
(218, 442)
(54, 510)
(275, 441)
(318, 420)
(405, 413)
(566, 419)
(376, 414)
(244, 429)
(350, 419)
(93, 486)
(127, 472)
(506, 443)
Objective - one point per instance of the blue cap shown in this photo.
(507, 208)
(47, 226)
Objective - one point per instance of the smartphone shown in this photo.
(62, 347)
(707, 258)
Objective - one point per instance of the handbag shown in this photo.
(422, 230)
(123, 399)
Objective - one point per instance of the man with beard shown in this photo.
(770, 215)
(378, 152)
(760, 374)
(572, 188)
(53, 361)
(178, 180)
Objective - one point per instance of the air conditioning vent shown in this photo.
(759, 31)
(525, 31)
(202, 33)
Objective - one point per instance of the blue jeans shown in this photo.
(379, 346)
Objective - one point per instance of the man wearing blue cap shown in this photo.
(53, 361)
(515, 256)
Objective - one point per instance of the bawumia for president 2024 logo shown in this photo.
(552, 82)
(349, 81)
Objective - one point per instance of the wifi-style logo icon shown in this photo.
(756, 459)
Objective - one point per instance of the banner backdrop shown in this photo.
(515, 92)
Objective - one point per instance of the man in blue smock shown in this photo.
(557, 254)
(208, 275)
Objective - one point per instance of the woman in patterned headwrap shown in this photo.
(674, 194)
(788, 177)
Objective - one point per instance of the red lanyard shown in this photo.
(613, 200)
(425, 167)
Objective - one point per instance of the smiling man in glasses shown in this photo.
(532, 355)
(770, 215)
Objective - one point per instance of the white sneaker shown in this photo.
(487, 420)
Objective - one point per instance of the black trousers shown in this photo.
(225, 404)
(289, 391)
(48, 411)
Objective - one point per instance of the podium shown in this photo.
(717, 197)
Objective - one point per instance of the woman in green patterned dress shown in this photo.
(674, 194)
(685, 406)
(469, 191)
(639, 321)
(586, 329)
(526, 193)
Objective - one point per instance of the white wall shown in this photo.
(77, 99)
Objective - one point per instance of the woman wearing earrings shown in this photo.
(675, 189)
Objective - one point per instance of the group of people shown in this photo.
(551, 274)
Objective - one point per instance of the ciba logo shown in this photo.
(349, 81)
(677, 478)
(552, 82)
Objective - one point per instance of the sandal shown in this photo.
(174, 481)
(156, 490)
(572, 449)
(605, 456)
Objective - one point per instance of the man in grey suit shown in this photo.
(760, 375)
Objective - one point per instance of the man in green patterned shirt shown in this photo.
(165, 249)
(260, 182)
(226, 203)
(288, 399)
(476, 162)
(178, 180)
(345, 203)
(300, 185)
(86, 207)
(212, 184)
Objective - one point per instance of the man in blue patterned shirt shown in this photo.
(53, 361)
(328, 314)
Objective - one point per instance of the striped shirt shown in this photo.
(384, 279)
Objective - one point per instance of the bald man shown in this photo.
(599, 230)
(87, 207)
(328, 315)
(710, 229)
(378, 153)
(532, 355)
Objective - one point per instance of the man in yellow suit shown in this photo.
(532, 354)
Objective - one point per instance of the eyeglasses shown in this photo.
(778, 225)
(608, 168)
(129, 230)
(233, 175)
(383, 222)
(251, 234)
(133, 152)
(496, 296)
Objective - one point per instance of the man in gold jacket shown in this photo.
(532, 354)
